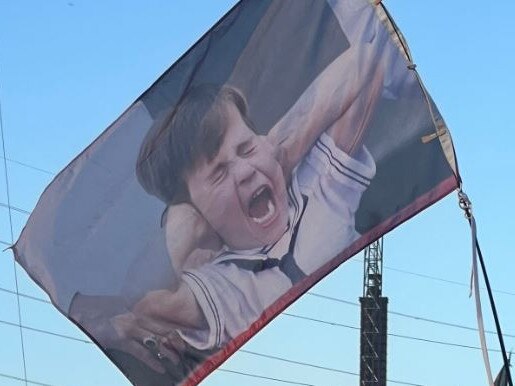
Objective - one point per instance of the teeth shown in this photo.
(258, 192)
(267, 216)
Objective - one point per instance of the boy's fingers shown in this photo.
(143, 343)
(142, 353)
(144, 339)
(173, 340)
(172, 355)
(155, 347)
(160, 327)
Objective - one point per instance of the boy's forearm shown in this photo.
(176, 308)
(179, 252)
(348, 130)
(328, 98)
(186, 231)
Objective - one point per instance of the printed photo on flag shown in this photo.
(292, 135)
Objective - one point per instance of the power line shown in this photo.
(419, 318)
(298, 362)
(263, 377)
(461, 284)
(336, 324)
(391, 334)
(435, 278)
(19, 210)
(222, 370)
(25, 296)
(29, 166)
(24, 380)
(445, 323)
(421, 275)
(46, 332)
(409, 337)
(317, 366)
(236, 372)
(440, 342)
(307, 364)
(289, 315)
(404, 315)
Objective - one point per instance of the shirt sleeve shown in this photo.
(333, 183)
(231, 299)
(338, 178)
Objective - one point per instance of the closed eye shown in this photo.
(247, 149)
(219, 174)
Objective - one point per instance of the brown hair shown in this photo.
(193, 129)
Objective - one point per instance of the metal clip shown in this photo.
(464, 203)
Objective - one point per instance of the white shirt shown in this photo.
(236, 288)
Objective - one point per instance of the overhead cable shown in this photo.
(404, 315)
(24, 380)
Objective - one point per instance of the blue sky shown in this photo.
(70, 68)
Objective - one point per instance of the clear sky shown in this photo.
(68, 68)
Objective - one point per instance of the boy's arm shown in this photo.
(331, 95)
(347, 131)
(185, 232)
(172, 309)
(159, 313)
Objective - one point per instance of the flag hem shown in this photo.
(214, 361)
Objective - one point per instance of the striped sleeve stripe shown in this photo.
(327, 142)
(212, 306)
(291, 193)
(329, 153)
(341, 168)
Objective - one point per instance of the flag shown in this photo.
(502, 377)
(289, 137)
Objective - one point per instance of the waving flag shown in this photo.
(293, 134)
(502, 377)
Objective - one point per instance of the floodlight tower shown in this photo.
(373, 319)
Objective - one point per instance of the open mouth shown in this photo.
(261, 207)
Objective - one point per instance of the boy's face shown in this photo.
(241, 192)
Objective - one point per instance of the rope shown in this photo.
(496, 318)
(466, 206)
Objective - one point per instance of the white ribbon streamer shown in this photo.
(474, 286)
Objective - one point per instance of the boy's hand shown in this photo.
(115, 327)
(186, 230)
(131, 336)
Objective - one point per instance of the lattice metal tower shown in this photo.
(373, 319)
